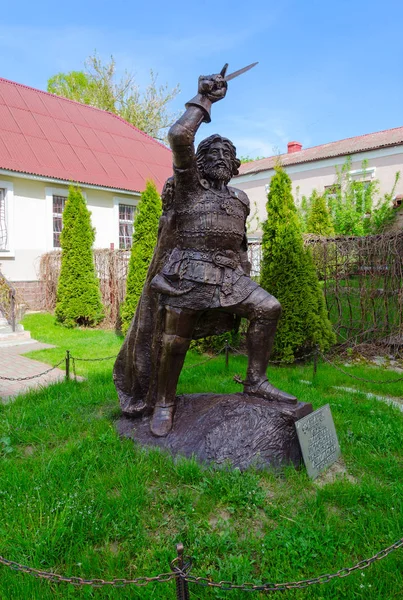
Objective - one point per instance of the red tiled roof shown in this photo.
(361, 143)
(46, 135)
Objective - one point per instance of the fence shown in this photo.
(8, 302)
(111, 268)
(69, 362)
(363, 285)
(180, 572)
(362, 282)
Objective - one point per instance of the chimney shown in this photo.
(293, 147)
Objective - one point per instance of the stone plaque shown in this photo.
(318, 439)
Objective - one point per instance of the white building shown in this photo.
(48, 142)
(315, 168)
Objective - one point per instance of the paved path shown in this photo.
(13, 364)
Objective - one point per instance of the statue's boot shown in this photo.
(161, 422)
(264, 389)
(174, 350)
(259, 339)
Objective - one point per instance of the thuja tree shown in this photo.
(288, 273)
(319, 219)
(78, 299)
(144, 239)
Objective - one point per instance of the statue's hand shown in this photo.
(214, 87)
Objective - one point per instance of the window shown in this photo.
(7, 233)
(332, 191)
(126, 218)
(58, 207)
(3, 220)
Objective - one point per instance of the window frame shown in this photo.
(116, 221)
(49, 193)
(8, 187)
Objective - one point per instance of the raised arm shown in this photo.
(181, 136)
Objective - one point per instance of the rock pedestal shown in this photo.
(238, 429)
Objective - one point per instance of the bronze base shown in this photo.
(236, 429)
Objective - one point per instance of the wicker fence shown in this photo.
(363, 285)
(362, 280)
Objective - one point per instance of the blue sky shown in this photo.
(327, 70)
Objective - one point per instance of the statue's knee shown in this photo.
(275, 309)
(175, 344)
(269, 310)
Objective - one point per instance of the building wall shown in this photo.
(30, 223)
(317, 175)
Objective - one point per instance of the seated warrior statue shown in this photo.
(208, 269)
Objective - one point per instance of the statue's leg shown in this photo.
(178, 330)
(263, 312)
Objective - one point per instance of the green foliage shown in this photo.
(355, 206)
(78, 295)
(319, 220)
(288, 273)
(144, 239)
(98, 87)
(246, 159)
(349, 207)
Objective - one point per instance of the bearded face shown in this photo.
(217, 165)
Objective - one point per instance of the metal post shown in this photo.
(182, 587)
(315, 362)
(226, 354)
(67, 365)
(12, 306)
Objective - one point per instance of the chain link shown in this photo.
(205, 361)
(355, 376)
(93, 582)
(279, 362)
(183, 573)
(93, 359)
(32, 376)
(303, 583)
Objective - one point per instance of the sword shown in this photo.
(236, 73)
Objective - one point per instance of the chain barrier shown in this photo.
(180, 571)
(280, 362)
(115, 582)
(32, 376)
(93, 359)
(356, 376)
(205, 361)
(303, 583)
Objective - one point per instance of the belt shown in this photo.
(226, 258)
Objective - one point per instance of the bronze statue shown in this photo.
(198, 282)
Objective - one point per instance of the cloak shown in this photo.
(136, 368)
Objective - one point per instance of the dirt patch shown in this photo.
(334, 473)
(29, 450)
(221, 516)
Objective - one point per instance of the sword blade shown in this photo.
(240, 72)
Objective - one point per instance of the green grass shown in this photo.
(78, 500)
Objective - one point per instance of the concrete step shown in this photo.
(14, 338)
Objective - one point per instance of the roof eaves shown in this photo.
(325, 157)
(68, 181)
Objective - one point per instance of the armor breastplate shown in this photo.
(211, 221)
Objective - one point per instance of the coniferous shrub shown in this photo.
(288, 273)
(78, 296)
(319, 219)
(145, 234)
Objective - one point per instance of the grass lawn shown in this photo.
(77, 500)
